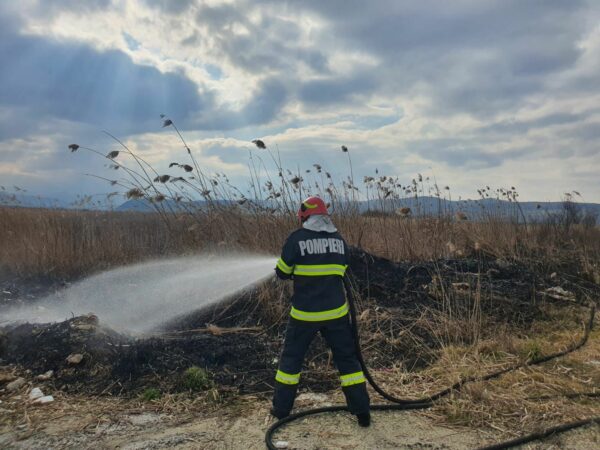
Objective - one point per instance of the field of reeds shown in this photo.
(70, 244)
(195, 210)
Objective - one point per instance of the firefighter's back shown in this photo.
(317, 260)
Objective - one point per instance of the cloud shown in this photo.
(336, 90)
(523, 126)
(256, 40)
(475, 57)
(170, 6)
(53, 7)
(266, 102)
(74, 82)
(501, 89)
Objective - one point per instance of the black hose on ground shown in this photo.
(542, 434)
(427, 402)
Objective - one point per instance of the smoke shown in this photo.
(140, 297)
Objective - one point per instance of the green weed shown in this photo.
(197, 379)
(150, 394)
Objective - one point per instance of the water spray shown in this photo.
(141, 297)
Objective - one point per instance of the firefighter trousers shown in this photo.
(338, 335)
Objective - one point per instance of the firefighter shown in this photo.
(316, 257)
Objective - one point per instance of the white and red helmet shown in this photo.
(312, 206)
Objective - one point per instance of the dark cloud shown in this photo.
(336, 90)
(267, 102)
(53, 81)
(470, 56)
(191, 40)
(269, 99)
(589, 132)
(523, 126)
(54, 7)
(457, 152)
(74, 82)
(228, 154)
(393, 28)
(271, 45)
(170, 6)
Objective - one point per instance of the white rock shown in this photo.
(75, 358)
(14, 385)
(282, 444)
(43, 400)
(559, 293)
(35, 393)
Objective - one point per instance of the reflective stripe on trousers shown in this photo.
(352, 378)
(287, 378)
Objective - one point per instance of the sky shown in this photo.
(470, 92)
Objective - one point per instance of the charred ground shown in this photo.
(238, 341)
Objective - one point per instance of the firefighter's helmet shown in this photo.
(311, 207)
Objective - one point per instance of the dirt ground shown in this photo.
(109, 423)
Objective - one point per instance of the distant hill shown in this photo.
(21, 200)
(423, 206)
(30, 201)
(533, 211)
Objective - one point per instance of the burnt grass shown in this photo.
(240, 348)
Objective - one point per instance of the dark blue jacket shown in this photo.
(317, 262)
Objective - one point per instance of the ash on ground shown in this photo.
(238, 341)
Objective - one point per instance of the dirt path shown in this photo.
(150, 430)
(86, 424)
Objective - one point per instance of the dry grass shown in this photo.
(520, 401)
(75, 243)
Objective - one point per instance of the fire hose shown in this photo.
(427, 402)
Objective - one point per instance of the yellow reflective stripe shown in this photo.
(287, 378)
(281, 265)
(320, 315)
(315, 270)
(352, 378)
(309, 206)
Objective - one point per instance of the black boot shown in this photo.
(364, 420)
(279, 414)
